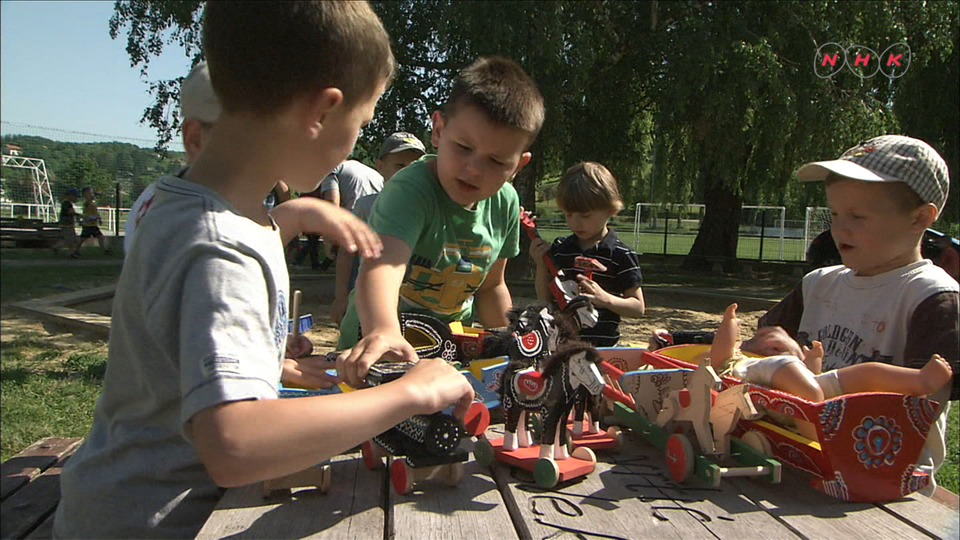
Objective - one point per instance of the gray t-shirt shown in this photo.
(199, 319)
(354, 180)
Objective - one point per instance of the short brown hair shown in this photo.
(502, 90)
(906, 199)
(588, 186)
(262, 55)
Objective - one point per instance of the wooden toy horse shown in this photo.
(714, 415)
(693, 404)
(728, 408)
(567, 376)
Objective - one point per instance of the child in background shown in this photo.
(448, 222)
(588, 197)
(90, 224)
(197, 336)
(396, 152)
(885, 303)
(800, 376)
(68, 223)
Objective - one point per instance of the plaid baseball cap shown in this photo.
(889, 158)
(399, 142)
(197, 99)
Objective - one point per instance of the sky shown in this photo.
(59, 69)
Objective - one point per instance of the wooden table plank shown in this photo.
(610, 500)
(816, 515)
(471, 509)
(723, 511)
(44, 531)
(351, 509)
(931, 517)
(17, 471)
(29, 506)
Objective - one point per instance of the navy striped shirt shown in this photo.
(623, 273)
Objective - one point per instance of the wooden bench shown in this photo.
(23, 232)
(30, 488)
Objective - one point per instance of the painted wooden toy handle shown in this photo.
(295, 311)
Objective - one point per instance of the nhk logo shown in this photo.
(863, 61)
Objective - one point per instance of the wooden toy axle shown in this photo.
(317, 476)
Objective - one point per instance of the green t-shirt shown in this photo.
(453, 248)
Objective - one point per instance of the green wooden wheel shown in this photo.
(546, 472)
(483, 452)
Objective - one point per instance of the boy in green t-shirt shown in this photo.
(448, 222)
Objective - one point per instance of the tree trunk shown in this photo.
(718, 233)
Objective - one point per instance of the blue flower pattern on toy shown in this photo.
(877, 441)
(831, 416)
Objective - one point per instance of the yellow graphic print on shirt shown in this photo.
(446, 290)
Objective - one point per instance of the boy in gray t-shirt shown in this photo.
(200, 314)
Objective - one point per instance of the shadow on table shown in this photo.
(439, 498)
(352, 507)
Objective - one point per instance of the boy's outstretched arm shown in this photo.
(247, 441)
(541, 280)
(312, 215)
(631, 305)
(377, 297)
(344, 267)
(492, 300)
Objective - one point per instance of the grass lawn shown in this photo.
(49, 382)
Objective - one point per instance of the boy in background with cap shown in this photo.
(396, 152)
(885, 303)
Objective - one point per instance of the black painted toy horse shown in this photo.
(549, 372)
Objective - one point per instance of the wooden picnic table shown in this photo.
(630, 495)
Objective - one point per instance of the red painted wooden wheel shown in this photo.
(477, 419)
(402, 476)
(371, 458)
(680, 457)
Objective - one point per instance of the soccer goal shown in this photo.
(672, 227)
(816, 221)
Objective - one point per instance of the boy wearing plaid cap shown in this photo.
(885, 303)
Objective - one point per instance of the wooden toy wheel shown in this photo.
(477, 419)
(617, 435)
(680, 457)
(370, 454)
(402, 476)
(454, 473)
(546, 472)
(585, 454)
(483, 452)
(758, 441)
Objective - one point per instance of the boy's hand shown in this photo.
(309, 372)
(353, 364)
(591, 290)
(299, 347)
(338, 226)
(436, 385)
(538, 248)
(338, 308)
(771, 341)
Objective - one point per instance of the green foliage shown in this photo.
(688, 101)
(99, 165)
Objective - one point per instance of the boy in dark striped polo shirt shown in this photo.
(588, 197)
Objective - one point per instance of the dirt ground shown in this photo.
(665, 309)
(676, 309)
